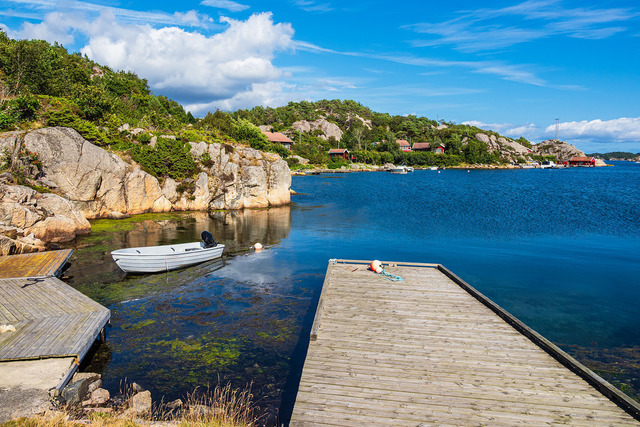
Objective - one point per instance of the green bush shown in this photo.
(26, 105)
(7, 120)
(292, 161)
(337, 163)
(169, 157)
(143, 138)
(278, 149)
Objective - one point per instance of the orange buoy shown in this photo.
(376, 266)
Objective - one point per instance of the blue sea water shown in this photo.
(559, 249)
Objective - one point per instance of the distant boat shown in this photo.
(548, 164)
(399, 169)
(154, 259)
(433, 168)
(529, 165)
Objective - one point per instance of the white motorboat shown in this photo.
(154, 259)
(398, 169)
(401, 169)
(529, 165)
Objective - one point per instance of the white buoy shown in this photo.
(257, 247)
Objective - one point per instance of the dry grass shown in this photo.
(218, 407)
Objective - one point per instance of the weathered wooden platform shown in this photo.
(51, 318)
(433, 350)
(38, 264)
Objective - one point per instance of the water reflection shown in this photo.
(237, 319)
(237, 230)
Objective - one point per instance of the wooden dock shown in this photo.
(37, 264)
(431, 350)
(51, 318)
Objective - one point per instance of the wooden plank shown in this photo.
(59, 320)
(318, 317)
(429, 349)
(38, 264)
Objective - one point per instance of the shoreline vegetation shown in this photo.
(220, 406)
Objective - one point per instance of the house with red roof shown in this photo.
(339, 152)
(280, 138)
(582, 161)
(426, 146)
(404, 144)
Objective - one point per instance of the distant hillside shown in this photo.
(44, 85)
(371, 137)
(616, 155)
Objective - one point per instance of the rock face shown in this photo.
(509, 149)
(560, 149)
(327, 128)
(94, 183)
(29, 218)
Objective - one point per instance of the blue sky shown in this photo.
(510, 67)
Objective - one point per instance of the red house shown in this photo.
(339, 152)
(425, 146)
(582, 161)
(404, 144)
(279, 138)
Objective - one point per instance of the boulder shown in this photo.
(100, 396)
(483, 138)
(141, 402)
(76, 391)
(301, 160)
(48, 216)
(328, 129)
(553, 147)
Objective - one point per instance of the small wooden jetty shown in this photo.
(51, 319)
(432, 350)
(38, 264)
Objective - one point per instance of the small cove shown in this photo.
(557, 248)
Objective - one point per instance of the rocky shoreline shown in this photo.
(55, 181)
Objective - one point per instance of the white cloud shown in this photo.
(54, 27)
(485, 29)
(231, 6)
(226, 69)
(624, 129)
(124, 15)
(591, 135)
(312, 6)
(193, 68)
(529, 130)
(273, 94)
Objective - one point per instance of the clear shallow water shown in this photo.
(557, 248)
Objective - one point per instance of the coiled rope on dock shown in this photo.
(390, 276)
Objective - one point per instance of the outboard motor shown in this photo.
(207, 238)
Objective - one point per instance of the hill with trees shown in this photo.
(44, 85)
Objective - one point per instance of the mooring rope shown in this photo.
(390, 276)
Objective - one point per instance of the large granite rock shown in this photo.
(44, 217)
(327, 128)
(509, 149)
(93, 183)
(560, 149)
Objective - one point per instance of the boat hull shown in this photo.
(154, 259)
